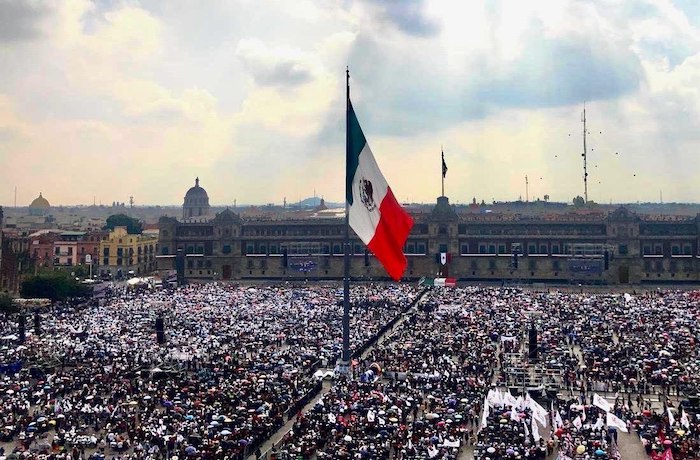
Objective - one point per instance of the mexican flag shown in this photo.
(375, 215)
(446, 282)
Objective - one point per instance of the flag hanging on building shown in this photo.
(444, 166)
(375, 215)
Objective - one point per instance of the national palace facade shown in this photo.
(619, 247)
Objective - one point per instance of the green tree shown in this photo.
(81, 271)
(7, 304)
(578, 201)
(54, 286)
(133, 225)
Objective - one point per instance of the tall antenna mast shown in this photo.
(527, 190)
(15, 196)
(585, 152)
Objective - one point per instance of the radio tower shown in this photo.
(585, 165)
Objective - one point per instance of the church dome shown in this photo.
(196, 202)
(196, 193)
(40, 203)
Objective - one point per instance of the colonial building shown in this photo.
(594, 248)
(121, 253)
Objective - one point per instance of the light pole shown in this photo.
(88, 259)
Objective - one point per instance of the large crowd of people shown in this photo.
(446, 379)
(236, 362)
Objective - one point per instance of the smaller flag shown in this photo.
(615, 422)
(599, 423)
(684, 418)
(444, 166)
(601, 402)
(485, 415)
(671, 418)
(535, 430)
(558, 422)
(577, 422)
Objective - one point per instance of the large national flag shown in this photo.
(375, 215)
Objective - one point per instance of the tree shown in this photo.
(7, 304)
(133, 226)
(54, 286)
(578, 201)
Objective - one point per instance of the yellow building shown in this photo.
(124, 255)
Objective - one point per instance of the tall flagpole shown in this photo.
(346, 260)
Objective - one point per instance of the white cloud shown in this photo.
(159, 93)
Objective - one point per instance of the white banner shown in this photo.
(535, 431)
(601, 402)
(616, 422)
(539, 413)
(577, 422)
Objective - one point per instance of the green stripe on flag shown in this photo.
(355, 143)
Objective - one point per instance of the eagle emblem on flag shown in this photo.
(367, 194)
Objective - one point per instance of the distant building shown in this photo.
(41, 247)
(196, 204)
(13, 258)
(591, 247)
(40, 207)
(121, 253)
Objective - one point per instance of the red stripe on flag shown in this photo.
(390, 236)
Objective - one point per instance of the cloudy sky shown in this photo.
(112, 98)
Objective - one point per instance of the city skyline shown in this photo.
(111, 99)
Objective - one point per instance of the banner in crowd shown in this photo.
(615, 422)
(601, 402)
(444, 282)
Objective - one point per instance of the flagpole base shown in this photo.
(342, 367)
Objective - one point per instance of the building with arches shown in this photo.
(576, 247)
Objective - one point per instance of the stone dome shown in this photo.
(196, 202)
(40, 203)
(39, 207)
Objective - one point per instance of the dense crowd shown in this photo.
(238, 362)
(457, 347)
